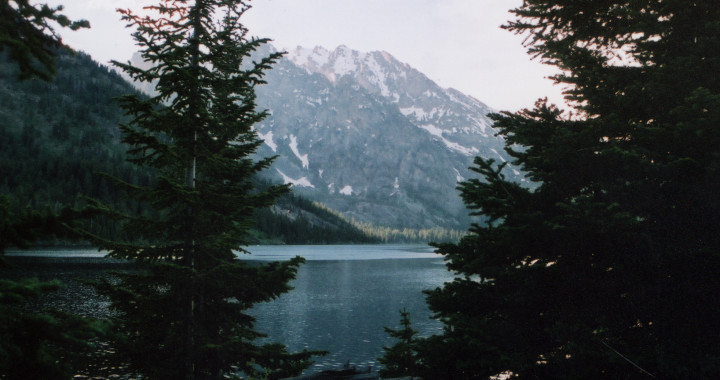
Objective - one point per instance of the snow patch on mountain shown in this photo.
(433, 130)
(268, 139)
(418, 112)
(345, 60)
(396, 187)
(310, 58)
(458, 176)
(378, 78)
(303, 158)
(300, 182)
(498, 154)
(437, 132)
(347, 190)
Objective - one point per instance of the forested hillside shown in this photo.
(57, 137)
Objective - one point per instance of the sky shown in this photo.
(456, 43)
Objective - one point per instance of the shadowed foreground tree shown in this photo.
(186, 317)
(27, 32)
(609, 268)
(37, 344)
(400, 359)
(41, 345)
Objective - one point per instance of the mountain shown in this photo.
(372, 137)
(55, 137)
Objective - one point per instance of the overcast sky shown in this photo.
(456, 43)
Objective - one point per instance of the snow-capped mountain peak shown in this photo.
(373, 137)
(418, 96)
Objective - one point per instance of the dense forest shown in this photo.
(58, 136)
(60, 142)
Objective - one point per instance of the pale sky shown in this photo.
(456, 43)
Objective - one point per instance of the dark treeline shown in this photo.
(384, 234)
(57, 137)
(297, 220)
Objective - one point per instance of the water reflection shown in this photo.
(343, 296)
(342, 306)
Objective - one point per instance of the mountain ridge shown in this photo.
(371, 137)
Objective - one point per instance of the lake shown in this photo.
(344, 295)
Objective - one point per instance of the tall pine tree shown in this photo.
(186, 317)
(609, 268)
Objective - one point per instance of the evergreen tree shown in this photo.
(186, 316)
(609, 268)
(400, 359)
(38, 346)
(27, 32)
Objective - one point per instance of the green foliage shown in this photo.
(34, 344)
(608, 268)
(47, 173)
(27, 32)
(47, 345)
(186, 316)
(57, 136)
(400, 359)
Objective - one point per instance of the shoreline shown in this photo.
(19, 262)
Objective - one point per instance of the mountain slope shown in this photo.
(55, 137)
(372, 137)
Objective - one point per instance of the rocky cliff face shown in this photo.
(372, 137)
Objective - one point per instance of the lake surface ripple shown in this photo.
(345, 295)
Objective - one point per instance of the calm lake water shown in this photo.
(344, 295)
